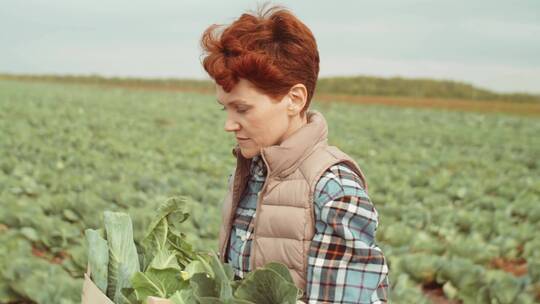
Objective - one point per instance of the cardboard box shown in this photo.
(154, 300)
(91, 294)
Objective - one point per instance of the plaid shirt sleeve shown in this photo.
(345, 265)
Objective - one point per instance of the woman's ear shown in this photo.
(297, 98)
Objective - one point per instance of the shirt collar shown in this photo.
(258, 168)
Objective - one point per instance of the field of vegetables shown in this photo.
(458, 193)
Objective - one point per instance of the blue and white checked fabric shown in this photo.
(240, 245)
(344, 265)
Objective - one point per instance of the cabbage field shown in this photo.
(458, 193)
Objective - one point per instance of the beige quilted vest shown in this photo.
(284, 220)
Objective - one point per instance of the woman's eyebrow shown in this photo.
(236, 101)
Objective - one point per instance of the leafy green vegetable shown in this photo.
(164, 232)
(184, 296)
(123, 258)
(204, 287)
(270, 284)
(174, 270)
(158, 282)
(223, 275)
(200, 265)
(166, 251)
(282, 270)
(98, 258)
(164, 259)
(267, 286)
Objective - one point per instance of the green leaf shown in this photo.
(449, 290)
(210, 301)
(203, 286)
(235, 285)
(205, 261)
(175, 219)
(184, 296)
(223, 275)
(172, 208)
(129, 296)
(98, 258)
(266, 286)
(281, 269)
(161, 283)
(30, 233)
(7, 295)
(164, 259)
(156, 240)
(240, 301)
(505, 287)
(184, 251)
(164, 233)
(194, 267)
(123, 258)
(422, 267)
(70, 215)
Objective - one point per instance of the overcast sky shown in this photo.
(490, 43)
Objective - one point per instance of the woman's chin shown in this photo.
(248, 153)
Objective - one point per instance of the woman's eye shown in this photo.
(238, 110)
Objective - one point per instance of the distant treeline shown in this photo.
(165, 83)
(409, 87)
(357, 86)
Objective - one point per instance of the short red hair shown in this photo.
(272, 49)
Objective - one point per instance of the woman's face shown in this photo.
(256, 119)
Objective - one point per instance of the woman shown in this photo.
(292, 198)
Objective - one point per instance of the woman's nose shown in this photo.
(231, 125)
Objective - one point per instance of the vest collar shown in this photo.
(283, 159)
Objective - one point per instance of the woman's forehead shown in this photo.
(242, 92)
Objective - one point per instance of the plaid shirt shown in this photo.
(344, 264)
